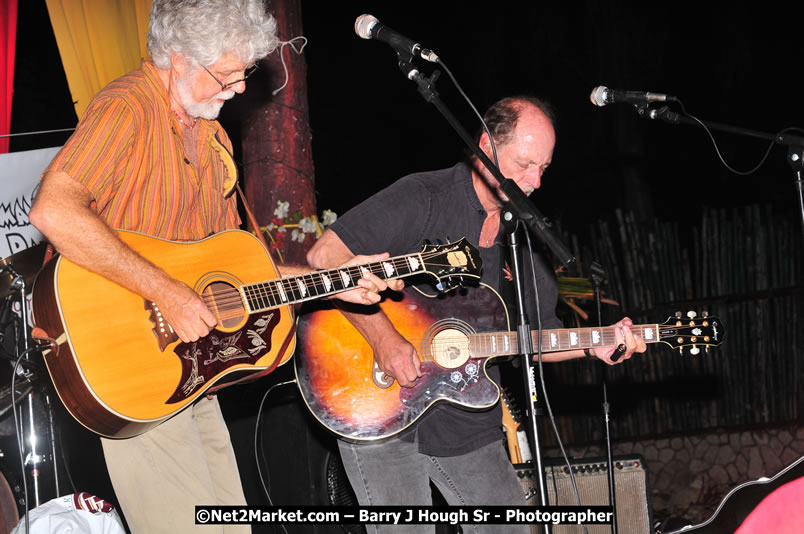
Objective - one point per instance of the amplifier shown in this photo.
(591, 477)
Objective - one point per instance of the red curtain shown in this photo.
(8, 40)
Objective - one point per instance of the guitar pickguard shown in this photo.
(213, 354)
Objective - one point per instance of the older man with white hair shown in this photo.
(142, 159)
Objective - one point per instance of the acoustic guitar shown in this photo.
(455, 337)
(120, 369)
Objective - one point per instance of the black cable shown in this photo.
(479, 116)
(717, 149)
(256, 443)
(544, 385)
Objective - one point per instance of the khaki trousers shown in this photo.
(160, 476)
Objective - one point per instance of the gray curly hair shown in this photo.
(206, 30)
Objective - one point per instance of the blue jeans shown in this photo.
(393, 472)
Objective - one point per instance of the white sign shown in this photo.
(19, 178)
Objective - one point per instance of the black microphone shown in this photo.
(368, 27)
(602, 95)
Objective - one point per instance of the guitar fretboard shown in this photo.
(505, 343)
(262, 296)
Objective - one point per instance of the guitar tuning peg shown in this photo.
(705, 313)
(678, 314)
(691, 314)
(695, 350)
(706, 349)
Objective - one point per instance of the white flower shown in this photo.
(281, 229)
(307, 225)
(270, 227)
(328, 217)
(296, 235)
(282, 208)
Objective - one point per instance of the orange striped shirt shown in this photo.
(127, 151)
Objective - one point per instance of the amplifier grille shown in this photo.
(591, 476)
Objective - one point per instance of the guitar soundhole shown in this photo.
(450, 348)
(225, 302)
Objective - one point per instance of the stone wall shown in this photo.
(688, 476)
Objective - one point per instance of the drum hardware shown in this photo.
(21, 268)
(17, 273)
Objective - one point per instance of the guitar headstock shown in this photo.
(518, 446)
(692, 331)
(452, 261)
(511, 414)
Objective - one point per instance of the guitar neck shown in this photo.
(506, 343)
(261, 296)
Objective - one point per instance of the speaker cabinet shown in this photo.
(591, 477)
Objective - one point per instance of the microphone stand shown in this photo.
(33, 459)
(526, 351)
(794, 143)
(518, 208)
(598, 275)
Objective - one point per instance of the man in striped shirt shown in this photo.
(142, 159)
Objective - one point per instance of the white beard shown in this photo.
(206, 110)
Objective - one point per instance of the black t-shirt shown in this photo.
(442, 205)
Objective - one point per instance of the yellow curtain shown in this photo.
(99, 40)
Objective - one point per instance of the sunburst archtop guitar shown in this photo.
(120, 370)
(455, 336)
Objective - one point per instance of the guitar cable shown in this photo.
(544, 386)
(257, 456)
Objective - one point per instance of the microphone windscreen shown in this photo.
(598, 96)
(363, 25)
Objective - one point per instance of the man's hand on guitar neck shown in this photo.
(625, 344)
(370, 285)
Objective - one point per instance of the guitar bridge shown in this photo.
(162, 330)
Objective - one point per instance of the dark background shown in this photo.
(739, 65)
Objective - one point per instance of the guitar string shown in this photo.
(481, 342)
(227, 300)
(267, 288)
(608, 338)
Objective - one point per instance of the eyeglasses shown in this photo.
(224, 86)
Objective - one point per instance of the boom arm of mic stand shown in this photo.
(518, 203)
(794, 143)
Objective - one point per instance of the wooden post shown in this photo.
(277, 141)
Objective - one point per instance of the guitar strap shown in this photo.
(251, 219)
